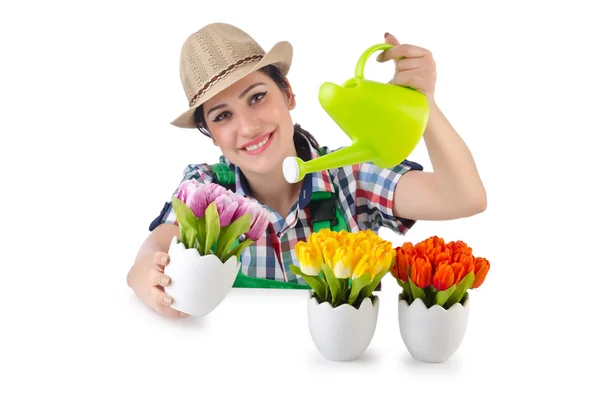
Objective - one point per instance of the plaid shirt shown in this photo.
(365, 200)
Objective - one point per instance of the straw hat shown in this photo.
(217, 56)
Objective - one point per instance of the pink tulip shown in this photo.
(197, 200)
(226, 207)
(260, 221)
(186, 189)
(237, 197)
(213, 191)
(230, 206)
(242, 202)
(244, 206)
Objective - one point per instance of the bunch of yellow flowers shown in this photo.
(344, 267)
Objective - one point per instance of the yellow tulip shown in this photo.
(362, 266)
(329, 248)
(371, 236)
(348, 241)
(319, 238)
(313, 239)
(363, 241)
(342, 235)
(347, 254)
(342, 263)
(383, 256)
(309, 257)
(358, 253)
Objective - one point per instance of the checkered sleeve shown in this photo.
(375, 188)
(202, 173)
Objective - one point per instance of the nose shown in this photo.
(249, 125)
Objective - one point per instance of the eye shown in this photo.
(257, 97)
(221, 116)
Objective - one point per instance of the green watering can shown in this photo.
(384, 121)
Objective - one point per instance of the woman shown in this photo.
(240, 98)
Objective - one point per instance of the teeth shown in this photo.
(258, 145)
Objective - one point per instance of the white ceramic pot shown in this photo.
(198, 283)
(432, 335)
(342, 333)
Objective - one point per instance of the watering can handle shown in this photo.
(360, 66)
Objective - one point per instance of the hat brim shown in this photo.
(280, 55)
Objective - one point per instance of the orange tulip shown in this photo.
(482, 266)
(458, 248)
(435, 262)
(459, 271)
(443, 278)
(421, 271)
(421, 248)
(433, 247)
(441, 254)
(408, 248)
(431, 243)
(438, 241)
(462, 266)
(468, 262)
(400, 268)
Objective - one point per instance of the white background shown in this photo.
(87, 91)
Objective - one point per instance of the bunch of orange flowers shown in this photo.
(343, 267)
(438, 272)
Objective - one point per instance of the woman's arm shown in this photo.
(454, 188)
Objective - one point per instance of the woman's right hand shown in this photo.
(149, 286)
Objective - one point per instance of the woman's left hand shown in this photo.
(415, 66)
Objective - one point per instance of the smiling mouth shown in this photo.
(252, 148)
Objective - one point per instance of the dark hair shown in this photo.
(300, 134)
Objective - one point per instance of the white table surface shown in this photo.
(257, 343)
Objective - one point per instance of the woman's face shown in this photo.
(251, 123)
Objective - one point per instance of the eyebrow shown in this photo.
(240, 96)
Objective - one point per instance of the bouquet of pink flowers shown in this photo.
(215, 220)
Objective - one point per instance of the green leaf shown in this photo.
(408, 287)
(315, 282)
(187, 222)
(190, 237)
(442, 296)
(357, 286)
(371, 287)
(406, 290)
(184, 214)
(201, 234)
(430, 293)
(416, 291)
(461, 289)
(213, 226)
(327, 289)
(346, 288)
(230, 233)
(237, 251)
(334, 285)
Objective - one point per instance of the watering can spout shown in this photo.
(294, 168)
